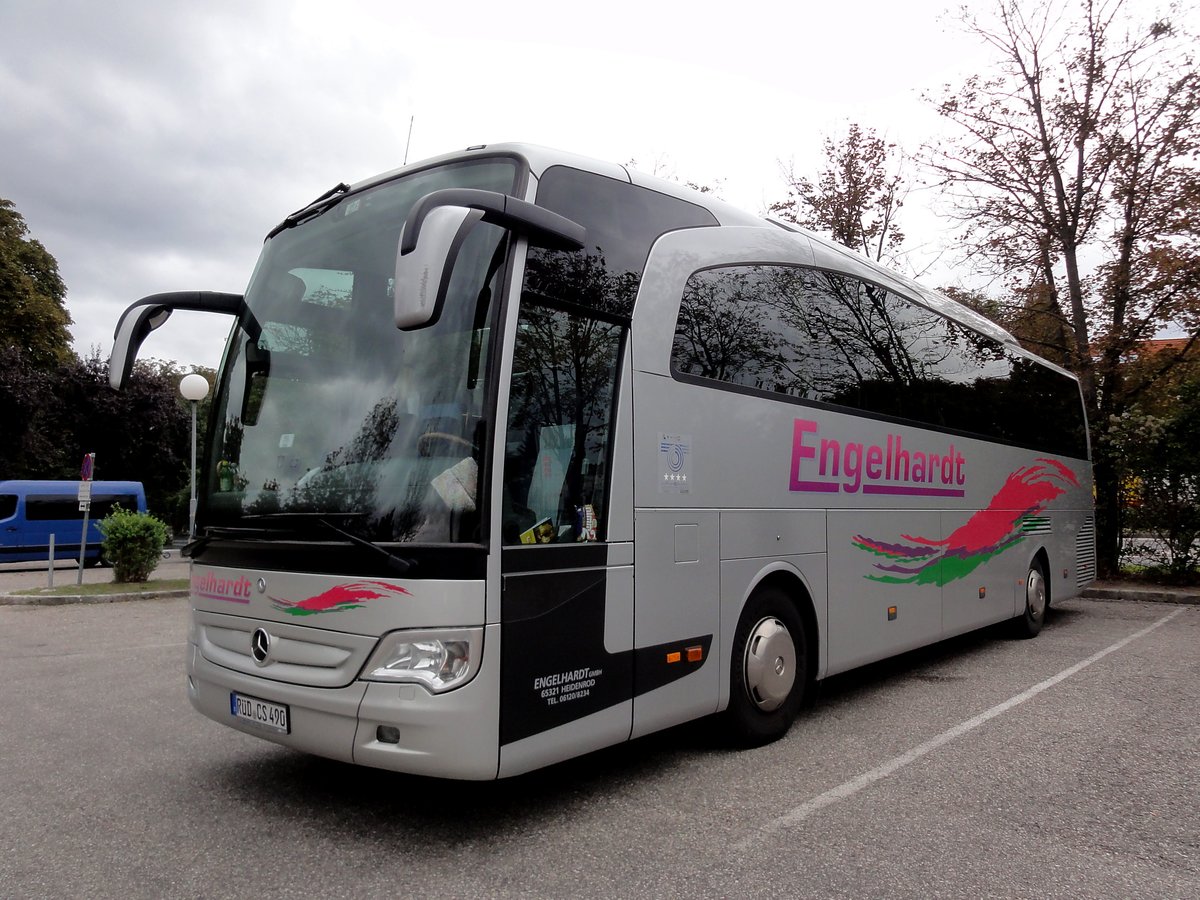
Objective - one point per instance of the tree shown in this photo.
(140, 433)
(1160, 487)
(25, 393)
(856, 197)
(33, 317)
(1077, 146)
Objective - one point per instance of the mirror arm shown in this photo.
(143, 316)
(542, 227)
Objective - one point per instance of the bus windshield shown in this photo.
(325, 409)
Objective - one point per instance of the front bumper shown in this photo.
(450, 735)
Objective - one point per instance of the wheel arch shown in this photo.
(1041, 555)
(792, 583)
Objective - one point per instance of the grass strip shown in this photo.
(109, 587)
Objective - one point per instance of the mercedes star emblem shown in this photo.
(260, 645)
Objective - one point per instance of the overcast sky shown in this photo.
(151, 145)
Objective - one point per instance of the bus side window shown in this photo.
(560, 407)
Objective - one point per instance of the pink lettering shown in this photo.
(875, 460)
(853, 467)
(829, 455)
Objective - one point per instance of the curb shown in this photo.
(1145, 594)
(68, 599)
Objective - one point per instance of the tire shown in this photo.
(768, 670)
(1037, 601)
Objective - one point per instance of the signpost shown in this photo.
(85, 506)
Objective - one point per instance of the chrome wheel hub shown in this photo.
(770, 664)
(1035, 595)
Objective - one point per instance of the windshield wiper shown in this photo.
(397, 564)
(325, 202)
(196, 545)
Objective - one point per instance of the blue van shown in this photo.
(31, 511)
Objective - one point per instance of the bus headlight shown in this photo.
(439, 660)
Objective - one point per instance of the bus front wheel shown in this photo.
(769, 668)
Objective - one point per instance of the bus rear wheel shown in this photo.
(768, 670)
(1037, 599)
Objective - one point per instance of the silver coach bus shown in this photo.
(515, 455)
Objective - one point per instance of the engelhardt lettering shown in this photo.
(235, 590)
(828, 465)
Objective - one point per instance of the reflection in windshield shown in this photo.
(332, 410)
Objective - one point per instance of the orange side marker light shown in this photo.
(695, 654)
(674, 657)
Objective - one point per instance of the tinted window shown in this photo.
(832, 339)
(8, 506)
(41, 509)
(622, 222)
(559, 421)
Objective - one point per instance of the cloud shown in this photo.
(151, 146)
(148, 144)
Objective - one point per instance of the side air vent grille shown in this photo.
(1085, 553)
(1035, 524)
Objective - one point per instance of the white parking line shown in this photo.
(853, 786)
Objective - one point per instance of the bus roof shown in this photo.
(539, 159)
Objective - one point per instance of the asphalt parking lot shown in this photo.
(1066, 766)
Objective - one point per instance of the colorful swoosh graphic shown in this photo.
(342, 597)
(987, 533)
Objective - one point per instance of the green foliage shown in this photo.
(33, 317)
(133, 543)
(51, 418)
(1161, 482)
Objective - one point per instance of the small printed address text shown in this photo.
(563, 687)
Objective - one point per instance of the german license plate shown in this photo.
(263, 713)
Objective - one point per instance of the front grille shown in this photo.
(298, 654)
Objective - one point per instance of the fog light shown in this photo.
(387, 734)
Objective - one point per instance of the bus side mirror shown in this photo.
(149, 313)
(258, 367)
(435, 230)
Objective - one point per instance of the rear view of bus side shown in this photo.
(516, 455)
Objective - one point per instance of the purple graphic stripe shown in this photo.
(907, 491)
(207, 596)
(828, 487)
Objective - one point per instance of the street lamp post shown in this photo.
(194, 389)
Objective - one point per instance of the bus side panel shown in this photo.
(678, 606)
(876, 607)
(987, 594)
(567, 677)
(1072, 553)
